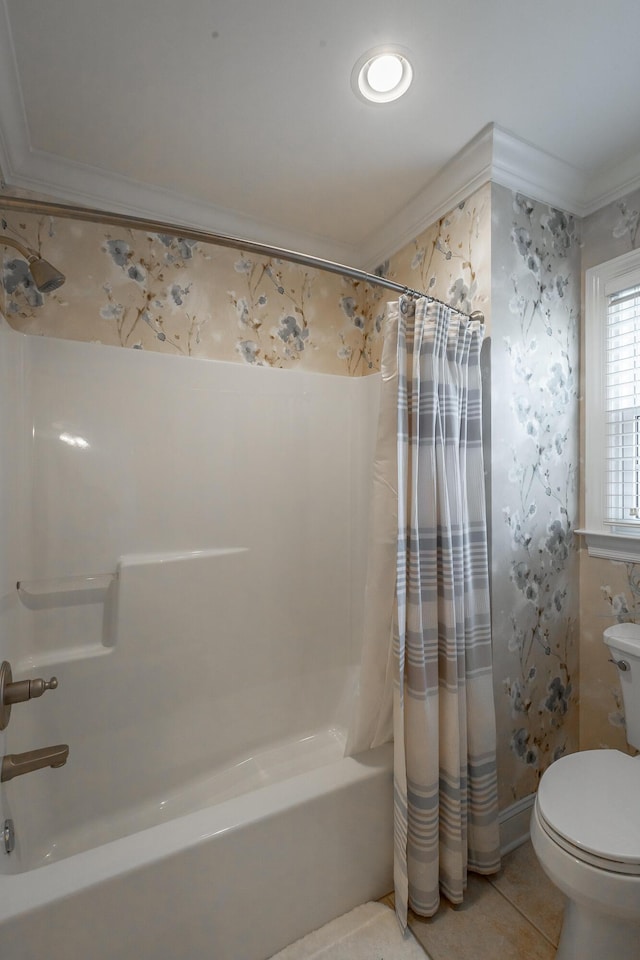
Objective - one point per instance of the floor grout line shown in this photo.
(514, 905)
(523, 914)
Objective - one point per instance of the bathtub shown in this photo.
(237, 880)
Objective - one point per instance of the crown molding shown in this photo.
(460, 177)
(613, 182)
(499, 156)
(81, 184)
(524, 168)
(494, 155)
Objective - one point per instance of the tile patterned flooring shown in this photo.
(514, 915)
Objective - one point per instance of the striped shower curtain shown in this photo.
(446, 813)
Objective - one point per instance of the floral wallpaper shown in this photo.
(150, 291)
(609, 590)
(534, 469)
(450, 260)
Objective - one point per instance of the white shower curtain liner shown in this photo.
(426, 663)
(372, 717)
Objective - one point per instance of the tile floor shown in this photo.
(514, 915)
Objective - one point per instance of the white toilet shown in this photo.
(585, 829)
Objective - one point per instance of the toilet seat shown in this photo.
(588, 803)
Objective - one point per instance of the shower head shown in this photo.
(44, 275)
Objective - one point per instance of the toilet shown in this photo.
(585, 829)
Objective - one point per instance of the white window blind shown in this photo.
(611, 370)
(622, 407)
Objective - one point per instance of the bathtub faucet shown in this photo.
(15, 764)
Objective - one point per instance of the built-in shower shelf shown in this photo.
(100, 582)
(96, 583)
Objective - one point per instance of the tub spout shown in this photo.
(15, 764)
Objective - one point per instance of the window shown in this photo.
(612, 394)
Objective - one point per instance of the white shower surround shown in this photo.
(223, 511)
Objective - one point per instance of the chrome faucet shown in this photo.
(15, 764)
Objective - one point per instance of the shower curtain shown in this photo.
(437, 680)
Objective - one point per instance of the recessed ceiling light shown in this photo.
(382, 74)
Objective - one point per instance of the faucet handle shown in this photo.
(19, 691)
(38, 687)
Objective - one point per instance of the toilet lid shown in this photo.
(592, 799)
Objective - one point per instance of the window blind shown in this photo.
(622, 407)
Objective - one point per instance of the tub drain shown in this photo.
(9, 836)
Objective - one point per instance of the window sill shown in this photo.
(612, 546)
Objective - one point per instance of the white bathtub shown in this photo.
(235, 881)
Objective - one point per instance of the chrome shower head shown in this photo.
(44, 275)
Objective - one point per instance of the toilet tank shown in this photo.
(623, 640)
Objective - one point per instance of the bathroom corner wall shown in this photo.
(609, 590)
(518, 261)
(450, 260)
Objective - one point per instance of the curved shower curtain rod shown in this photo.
(25, 205)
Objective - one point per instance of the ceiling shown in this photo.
(238, 115)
